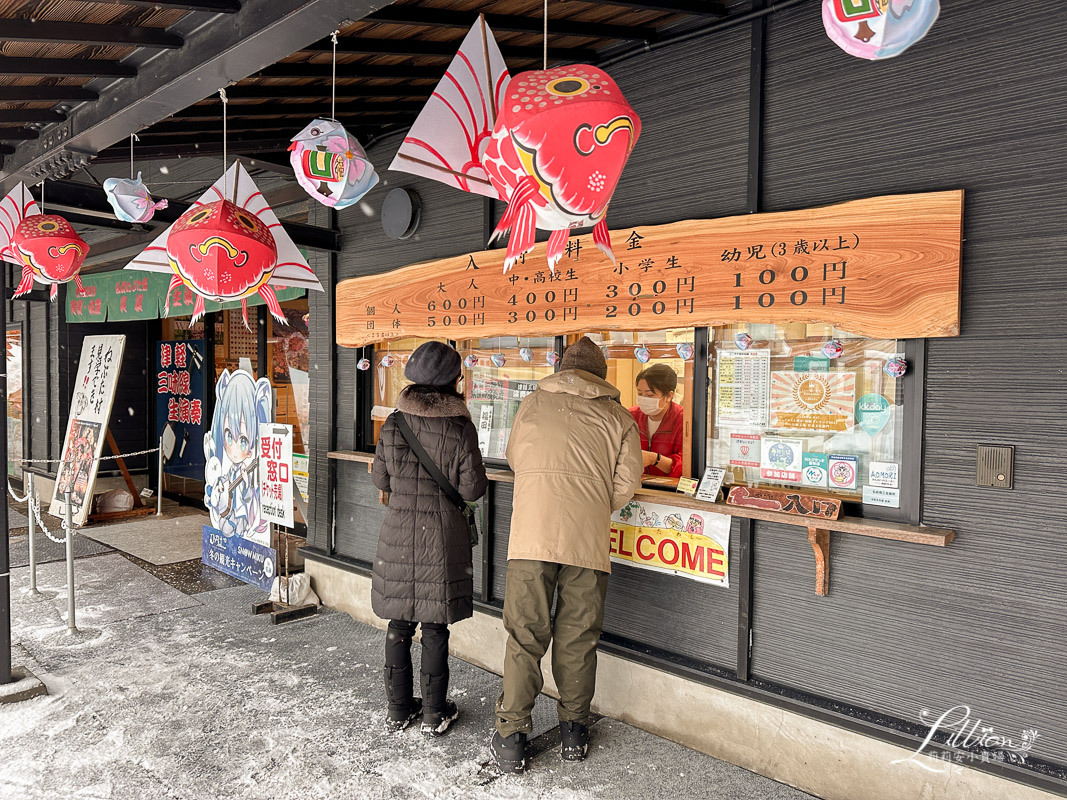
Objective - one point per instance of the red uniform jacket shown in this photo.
(667, 441)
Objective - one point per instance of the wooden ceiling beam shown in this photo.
(344, 92)
(437, 18)
(421, 48)
(211, 6)
(388, 71)
(17, 135)
(699, 8)
(87, 33)
(289, 126)
(22, 115)
(33, 94)
(306, 111)
(181, 146)
(66, 68)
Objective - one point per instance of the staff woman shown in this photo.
(660, 420)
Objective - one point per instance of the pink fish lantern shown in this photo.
(363, 364)
(471, 361)
(895, 367)
(561, 140)
(743, 341)
(526, 354)
(685, 350)
(642, 354)
(552, 358)
(130, 199)
(833, 348)
(50, 251)
(497, 359)
(388, 360)
(330, 164)
(878, 29)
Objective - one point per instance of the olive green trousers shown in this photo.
(574, 634)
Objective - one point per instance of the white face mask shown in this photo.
(649, 405)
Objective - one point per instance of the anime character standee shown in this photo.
(231, 449)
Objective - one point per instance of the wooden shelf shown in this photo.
(818, 529)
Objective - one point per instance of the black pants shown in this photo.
(434, 678)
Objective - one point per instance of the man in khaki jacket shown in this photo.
(576, 454)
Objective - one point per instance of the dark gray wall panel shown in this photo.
(358, 515)
(908, 627)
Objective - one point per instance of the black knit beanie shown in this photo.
(585, 354)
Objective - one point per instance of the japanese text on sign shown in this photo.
(276, 475)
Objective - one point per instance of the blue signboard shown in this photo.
(242, 558)
(180, 408)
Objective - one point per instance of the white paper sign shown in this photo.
(742, 387)
(275, 469)
(90, 410)
(878, 496)
(710, 484)
(885, 474)
(485, 429)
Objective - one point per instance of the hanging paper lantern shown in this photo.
(877, 29)
(642, 354)
(330, 164)
(552, 358)
(224, 253)
(561, 140)
(130, 199)
(363, 364)
(497, 359)
(895, 367)
(471, 361)
(685, 350)
(45, 246)
(526, 354)
(743, 341)
(833, 348)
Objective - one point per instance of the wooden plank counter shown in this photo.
(818, 530)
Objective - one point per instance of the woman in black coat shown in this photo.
(423, 571)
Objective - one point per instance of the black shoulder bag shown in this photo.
(467, 509)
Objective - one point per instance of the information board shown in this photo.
(693, 544)
(180, 406)
(276, 474)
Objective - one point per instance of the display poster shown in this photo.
(813, 401)
(710, 484)
(243, 412)
(872, 413)
(693, 544)
(885, 474)
(180, 406)
(14, 401)
(816, 469)
(301, 474)
(276, 474)
(745, 450)
(882, 267)
(843, 471)
(781, 459)
(494, 402)
(881, 496)
(90, 410)
(742, 387)
(240, 558)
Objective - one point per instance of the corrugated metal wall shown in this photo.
(979, 105)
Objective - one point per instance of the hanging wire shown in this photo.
(225, 160)
(42, 196)
(546, 34)
(333, 76)
(133, 138)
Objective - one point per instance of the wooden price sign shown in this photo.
(885, 267)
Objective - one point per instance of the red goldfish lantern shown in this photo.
(561, 140)
(46, 246)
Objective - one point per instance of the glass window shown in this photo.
(627, 359)
(504, 371)
(14, 401)
(289, 348)
(784, 411)
(387, 366)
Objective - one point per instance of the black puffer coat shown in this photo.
(423, 570)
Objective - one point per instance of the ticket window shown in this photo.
(624, 352)
(387, 364)
(782, 413)
(502, 372)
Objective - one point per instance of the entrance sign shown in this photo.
(885, 267)
(90, 410)
(180, 406)
(276, 474)
(693, 544)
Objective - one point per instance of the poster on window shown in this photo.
(90, 410)
(14, 401)
(276, 474)
(813, 401)
(781, 460)
(742, 381)
(692, 544)
(179, 381)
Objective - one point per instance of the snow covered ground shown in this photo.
(174, 695)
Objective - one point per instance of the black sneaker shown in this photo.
(398, 719)
(574, 741)
(510, 753)
(434, 725)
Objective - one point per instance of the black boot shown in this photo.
(509, 753)
(574, 741)
(438, 712)
(403, 708)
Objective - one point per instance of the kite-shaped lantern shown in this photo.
(47, 248)
(876, 29)
(229, 246)
(330, 164)
(130, 199)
